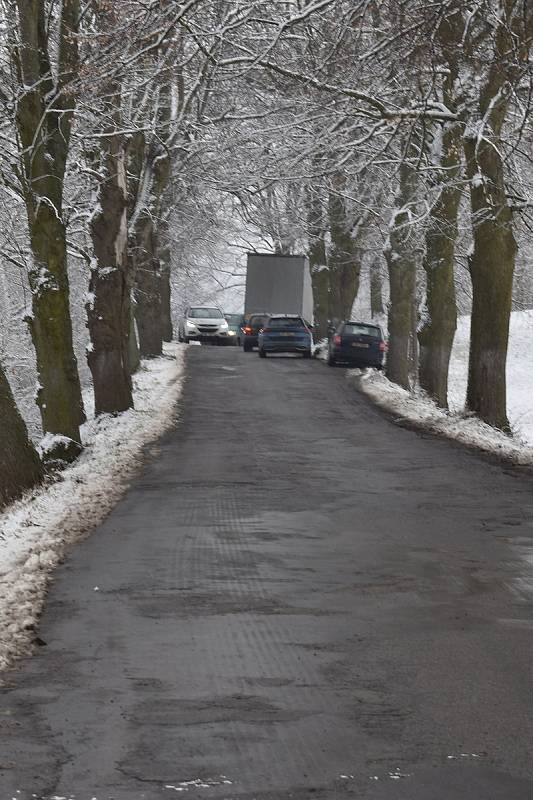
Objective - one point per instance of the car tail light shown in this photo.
(382, 346)
(337, 339)
(247, 329)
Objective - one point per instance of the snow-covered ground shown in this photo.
(519, 372)
(419, 409)
(36, 531)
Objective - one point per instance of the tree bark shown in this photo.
(491, 268)
(20, 466)
(402, 265)
(318, 264)
(44, 118)
(134, 355)
(376, 290)
(438, 332)
(167, 331)
(147, 289)
(344, 257)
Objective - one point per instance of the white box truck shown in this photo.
(278, 285)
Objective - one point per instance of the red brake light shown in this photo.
(247, 329)
(382, 347)
(337, 339)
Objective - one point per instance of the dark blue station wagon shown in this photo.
(357, 343)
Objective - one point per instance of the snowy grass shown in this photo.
(36, 532)
(418, 408)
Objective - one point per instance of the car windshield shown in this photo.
(362, 330)
(286, 322)
(205, 313)
(233, 319)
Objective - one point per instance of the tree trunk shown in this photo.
(59, 394)
(437, 335)
(134, 356)
(44, 117)
(20, 466)
(402, 264)
(147, 290)
(108, 312)
(491, 268)
(318, 265)
(344, 258)
(166, 291)
(376, 292)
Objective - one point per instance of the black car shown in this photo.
(357, 343)
(250, 330)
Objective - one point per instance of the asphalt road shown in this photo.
(297, 599)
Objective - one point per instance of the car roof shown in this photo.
(285, 316)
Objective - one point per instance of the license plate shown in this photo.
(286, 334)
(360, 344)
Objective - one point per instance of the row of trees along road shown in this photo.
(365, 133)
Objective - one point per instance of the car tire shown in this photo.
(307, 354)
(247, 347)
(262, 353)
(185, 339)
(331, 362)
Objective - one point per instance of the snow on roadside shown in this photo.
(36, 531)
(519, 371)
(419, 409)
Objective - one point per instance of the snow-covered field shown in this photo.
(419, 409)
(36, 531)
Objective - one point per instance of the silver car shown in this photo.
(203, 324)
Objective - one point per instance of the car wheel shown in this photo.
(307, 354)
(185, 339)
(247, 347)
(262, 353)
(331, 361)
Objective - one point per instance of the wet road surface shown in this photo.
(297, 599)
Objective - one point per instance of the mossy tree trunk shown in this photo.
(438, 332)
(402, 257)
(44, 112)
(20, 466)
(491, 268)
(505, 40)
(345, 254)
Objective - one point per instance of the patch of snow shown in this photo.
(418, 408)
(50, 441)
(457, 423)
(36, 532)
(519, 372)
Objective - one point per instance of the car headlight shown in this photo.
(224, 326)
(231, 333)
(190, 324)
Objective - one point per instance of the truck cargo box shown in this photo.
(278, 285)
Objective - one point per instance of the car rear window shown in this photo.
(286, 322)
(205, 313)
(233, 319)
(256, 320)
(362, 330)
